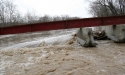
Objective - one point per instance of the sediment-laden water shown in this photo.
(108, 58)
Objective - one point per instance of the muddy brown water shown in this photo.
(108, 58)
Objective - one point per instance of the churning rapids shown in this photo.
(58, 53)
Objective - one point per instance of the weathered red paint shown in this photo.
(77, 23)
(15, 29)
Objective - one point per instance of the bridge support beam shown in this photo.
(66, 24)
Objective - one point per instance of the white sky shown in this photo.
(72, 8)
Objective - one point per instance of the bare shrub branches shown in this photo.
(100, 8)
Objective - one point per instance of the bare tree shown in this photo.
(65, 17)
(57, 18)
(45, 18)
(30, 18)
(101, 8)
(2, 12)
(8, 13)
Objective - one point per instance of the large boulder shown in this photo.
(85, 37)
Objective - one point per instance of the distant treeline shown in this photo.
(9, 16)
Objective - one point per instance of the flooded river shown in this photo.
(108, 58)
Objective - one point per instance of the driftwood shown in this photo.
(100, 35)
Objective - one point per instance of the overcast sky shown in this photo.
(72, 8)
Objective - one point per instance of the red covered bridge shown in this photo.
(66, 24)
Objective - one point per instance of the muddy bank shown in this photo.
(107, 58)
